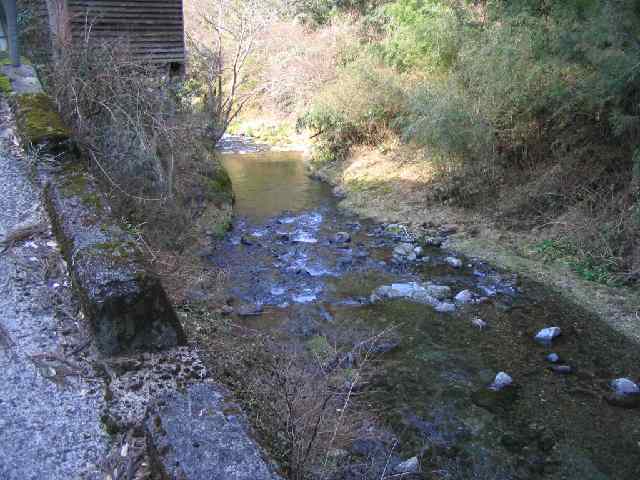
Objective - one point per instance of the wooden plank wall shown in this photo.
(154, 28)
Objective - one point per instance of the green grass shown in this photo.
(599, 270)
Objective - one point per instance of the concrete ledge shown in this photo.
(125, 304)
(196, 435)
(39, 123)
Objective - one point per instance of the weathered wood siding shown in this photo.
(154, 28)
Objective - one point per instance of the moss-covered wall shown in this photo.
(39, 122)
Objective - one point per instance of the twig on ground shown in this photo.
(22, 233)
(55, 367)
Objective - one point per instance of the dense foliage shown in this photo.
(505, 94)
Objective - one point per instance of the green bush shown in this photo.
(422, 34)
(357, 108)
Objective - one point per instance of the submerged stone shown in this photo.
(250, 310)
(404, 253)
(479, 323)
(342, 237)
(438, 291)
(464, 297)
(453, 262)
(445, 307)
(563, 369)
(315, 270)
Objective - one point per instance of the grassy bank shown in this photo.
(391, 188)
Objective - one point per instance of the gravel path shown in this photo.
(50, 399)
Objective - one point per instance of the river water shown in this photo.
(293, 273)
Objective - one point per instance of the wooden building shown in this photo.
(153, 28)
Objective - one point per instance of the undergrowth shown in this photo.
(141, 140)
(303, 397)
(529, 112)
(600, 270)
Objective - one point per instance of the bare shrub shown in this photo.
(305, 400)
(144, 146)
(299, 61)
(122, 115)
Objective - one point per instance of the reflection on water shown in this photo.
(269, 183)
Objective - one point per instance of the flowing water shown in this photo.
(301, 281)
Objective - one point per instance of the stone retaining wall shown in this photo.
(124, 302)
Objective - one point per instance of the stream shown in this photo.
(303, 269)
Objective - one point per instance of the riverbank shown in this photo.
(356, 348)
(393, 188)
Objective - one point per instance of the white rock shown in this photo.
(416, 293)
(453, 262)
(553, 358)
(304, 237)
(408, 466)
(624, 386)
(278, 291)
(404, 289)
(304, 298)
(465, 296)
(501, 381)
(546, 335)
(315, 270)
(479, 323)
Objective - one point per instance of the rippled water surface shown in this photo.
(287, 264)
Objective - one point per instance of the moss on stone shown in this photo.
(38, 120)
(218, 186)
(74, 184)
(92, 199)
(118, 249)
(5, 85)
(5, 60)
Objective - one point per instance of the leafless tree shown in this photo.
(221, 56)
